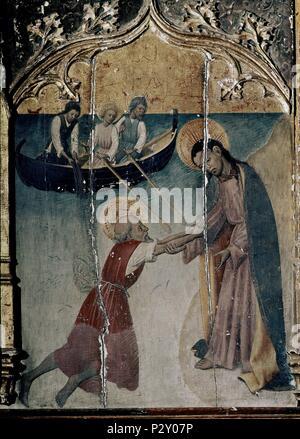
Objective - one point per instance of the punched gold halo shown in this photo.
(109, 106)
(192, 132)
(115, 206)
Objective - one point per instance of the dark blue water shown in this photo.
(55, 226)
(247, 133)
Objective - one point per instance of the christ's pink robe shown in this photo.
(234, 320)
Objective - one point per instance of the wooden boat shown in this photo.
(60, 178)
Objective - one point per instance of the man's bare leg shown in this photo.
(73, 382)
(46, 365)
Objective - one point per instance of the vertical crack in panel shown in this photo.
(208, 59)
(92, 224)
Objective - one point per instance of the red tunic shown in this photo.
(82, 350)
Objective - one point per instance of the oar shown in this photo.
(108, 165)
(154, 185)
(133, 161)
(158, 138)
(19, 146)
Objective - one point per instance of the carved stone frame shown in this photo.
(29, 84)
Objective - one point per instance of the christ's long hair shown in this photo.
(199, 146)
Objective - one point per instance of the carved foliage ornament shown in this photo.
(45, 32)
(267, 24)
(257, 34)
(254, 32)
(99, 19)
(48, 32)
(202, 16)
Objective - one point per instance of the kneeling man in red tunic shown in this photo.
(102, 342)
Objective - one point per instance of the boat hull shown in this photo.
(59, 178)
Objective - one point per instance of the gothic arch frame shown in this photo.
(52, 67)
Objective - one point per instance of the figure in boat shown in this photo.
(106, 138)
(120, 151)
(63, 146)
(132, 130)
